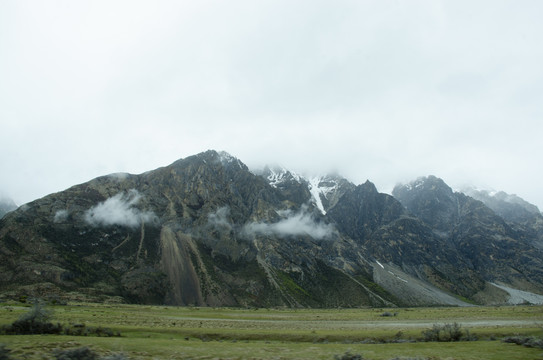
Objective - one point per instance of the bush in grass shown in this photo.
(528, 341)
(115, 357)
(36, 321)
(388, 313)
(38, 314)
(82, 353)
(4, 352)
(446, 333)
(348, 356)
(83, 330)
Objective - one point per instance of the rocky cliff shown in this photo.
(207, 231)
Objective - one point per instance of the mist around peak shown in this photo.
(119, 210)
(292, 223)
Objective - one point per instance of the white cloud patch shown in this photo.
(291, 224)
(220, 218)
(119, 210)
(61, 216)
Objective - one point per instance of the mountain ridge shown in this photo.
(205, 230)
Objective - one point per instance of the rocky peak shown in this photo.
(206, 231)
(510, 207)
(324, 190)
(368, 187)
(362, 209)
(278, 176)
(213, 157)
(327, 190)
(291, 186)
(430, 199)
(524, 217)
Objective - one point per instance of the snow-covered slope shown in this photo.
(325, 190)
(278, 176)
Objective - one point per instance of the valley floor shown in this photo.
(161, 332)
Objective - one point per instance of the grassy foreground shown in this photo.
(159, 332)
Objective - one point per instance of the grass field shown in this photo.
(160, 332)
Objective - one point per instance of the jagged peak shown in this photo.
(277, 174)
(321, 187)
(369, 186)
(424, 183)
(215, 157)
(493, 198)
(226, 158)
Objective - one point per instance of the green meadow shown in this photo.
(163, 332)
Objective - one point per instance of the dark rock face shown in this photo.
(523, 217)
(202, 231)
(497, 251)
(206, 231)
(432, 201)
(509, 207)
(363, 210)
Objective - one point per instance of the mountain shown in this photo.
(6, 205)
(517, 212)
(203, 230)
(510, 207)
(496, 251)
(207, 231)
(322, 191)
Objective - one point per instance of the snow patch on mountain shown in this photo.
(320, 187)
(323, 189)
(227, 159)
(278, 175)
(316, 194)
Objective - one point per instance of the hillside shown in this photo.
(206, 230)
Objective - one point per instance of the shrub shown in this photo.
(4, 352)
(348, 356)
(82, 330)
(82, 353)
(38, 314)
(446, 333)
(528, 341)
(119, 356)
(33, 322)
(36, 321)
(388, 313)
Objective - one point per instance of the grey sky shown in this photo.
(379, 90)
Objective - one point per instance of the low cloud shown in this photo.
(61, 216)
(119, 210)
(220, 218)
(292, 224)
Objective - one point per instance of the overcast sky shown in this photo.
(379, 90)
